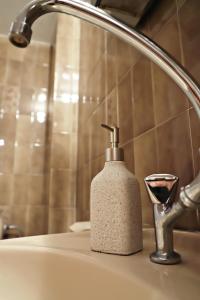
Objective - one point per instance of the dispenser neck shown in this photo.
(114, 153)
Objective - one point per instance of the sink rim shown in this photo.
(136, 268)
(97, 266)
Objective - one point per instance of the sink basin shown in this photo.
(31, 273)
(61, 266)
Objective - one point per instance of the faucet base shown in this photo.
(165, 258)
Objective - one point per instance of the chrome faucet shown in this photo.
(165, 213)
(162, 190)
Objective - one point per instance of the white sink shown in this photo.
(31, 273)
(62, 267)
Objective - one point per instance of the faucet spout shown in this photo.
(20, 31)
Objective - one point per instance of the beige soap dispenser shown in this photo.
(116, 220)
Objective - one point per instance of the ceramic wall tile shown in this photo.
(6, 185)
(22, 159)
(61, 150)
(85, 109)
(92, 38)
(63, 123)
(83, 194)
(97, 81)
(60, 184)
(15, 53)
(160, 15)
(84, 146)
(174, 148)
(143, 106)
(168, 98)
(195, 137)
(23, 130)
(44, 55)
(31, 53)
(112, 108)
(2, 69)
(111, 59)
(37, 190)
(7, 127)
(189, 15)
(13, 74)
(38, 161)
(24, 75)
(3, 47)
(41, 76)
(145, 159)
(60, 219)
(28, 74)
(10, 99)
(6, 157)
(175, 157)
(37, 220)
(19, 217)
(64, 117)
(98, 134)
(129, 155)
(20, 190)
(25, 102)
(124, 58)
(125, 106)
(39, 131)
(97, 165)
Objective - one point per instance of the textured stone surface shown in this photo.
(116, 222)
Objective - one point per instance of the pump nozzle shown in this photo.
(114, 153)
(114, 134)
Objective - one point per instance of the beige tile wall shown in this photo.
(159, 129)
(63, 122)
(94, 78)
(39, 93)
(24, 81)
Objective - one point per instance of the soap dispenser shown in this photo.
(115, 206)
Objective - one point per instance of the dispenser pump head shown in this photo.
(114, 153)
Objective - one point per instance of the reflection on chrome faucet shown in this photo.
(20, 36)
(162, 191)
